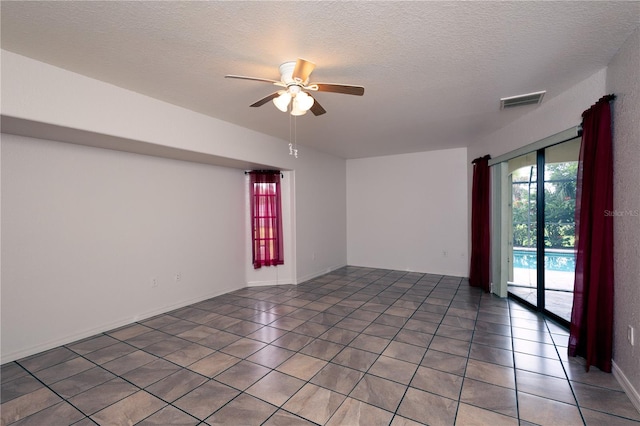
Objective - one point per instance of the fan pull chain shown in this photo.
(290, 141)
(295, 137)
(293, 141)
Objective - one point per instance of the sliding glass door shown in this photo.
(541, 237)
(522, 244)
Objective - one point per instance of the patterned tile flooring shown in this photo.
(358, 346)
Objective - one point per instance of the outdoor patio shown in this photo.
(558, 294)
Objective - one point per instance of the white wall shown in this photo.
(85, 230)
(35, 92)
(404, 211)
(38, 92)
(321, 231)
(624, 82)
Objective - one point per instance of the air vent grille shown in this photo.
(521, 100)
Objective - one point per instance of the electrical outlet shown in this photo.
(154, 283)
(445, 253)
(178, 277)
(630, 335)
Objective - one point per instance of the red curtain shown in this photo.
(266, 218)
(479, 274)
(591, 332)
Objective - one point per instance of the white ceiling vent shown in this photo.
(521, 100)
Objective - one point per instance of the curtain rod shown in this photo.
(246, 172)
(560, 137)
(606, 98)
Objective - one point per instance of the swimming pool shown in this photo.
(555, 260)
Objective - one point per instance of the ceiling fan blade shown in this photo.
(316, 108)
(265, 99)
(266, 80)
(303, 70)
(347, 89)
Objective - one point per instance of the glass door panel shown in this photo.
(561, 166)
(522, 247)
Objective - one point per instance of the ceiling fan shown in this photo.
(294, 96)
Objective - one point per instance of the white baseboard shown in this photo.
(297, 281)
(267, 283)
(16, 355)
(319, 273)
(631, 392)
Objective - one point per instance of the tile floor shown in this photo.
(358, 346)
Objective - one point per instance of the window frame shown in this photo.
(266, 218)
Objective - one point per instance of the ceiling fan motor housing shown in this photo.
(286, 72)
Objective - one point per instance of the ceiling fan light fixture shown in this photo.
(296, 111)
(282, 101)
(303, 101)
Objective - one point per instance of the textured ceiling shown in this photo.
(433, 71)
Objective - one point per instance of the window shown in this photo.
(266, 218)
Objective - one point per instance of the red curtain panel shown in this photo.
(266, 218)
(591, 331)
(479, 273)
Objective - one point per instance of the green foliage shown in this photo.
(560, 206)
